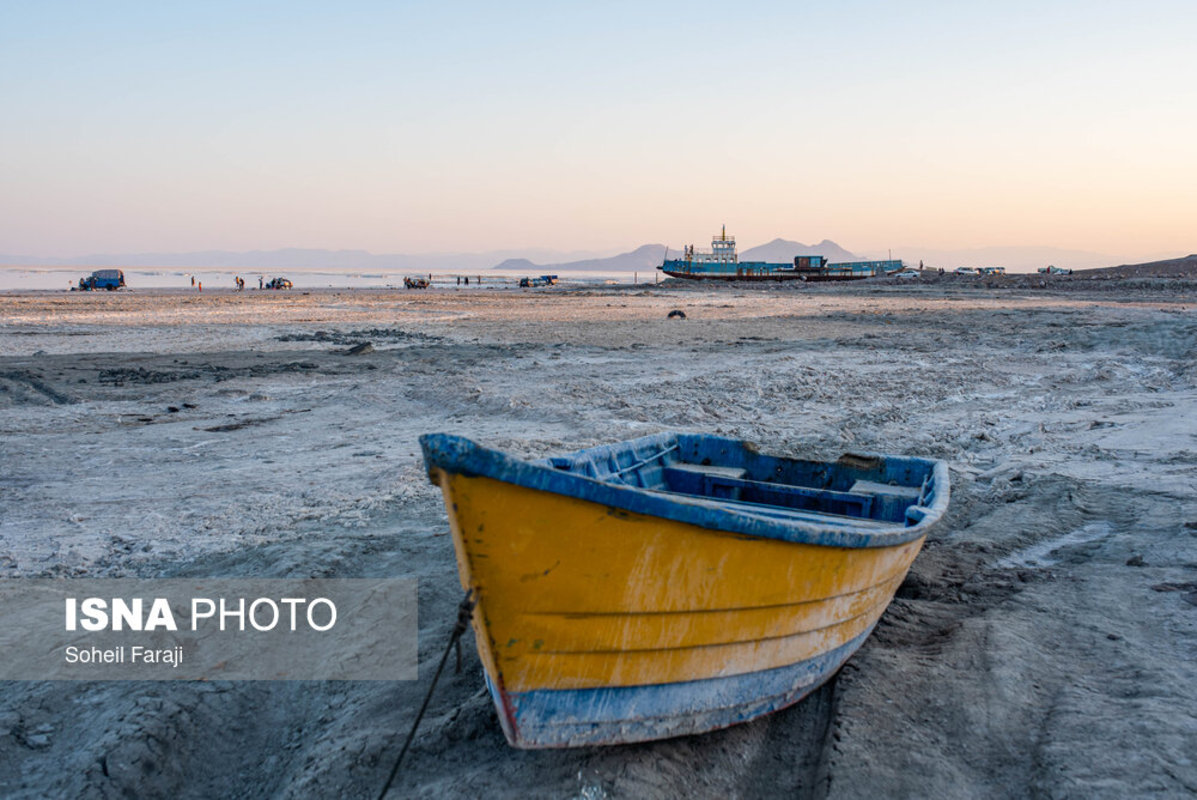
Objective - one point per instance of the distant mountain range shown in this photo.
(650, 256)
(296, 258)
(646, 257)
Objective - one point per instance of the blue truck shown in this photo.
(543, 280)
(108, 279)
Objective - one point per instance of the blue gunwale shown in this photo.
(456, 454)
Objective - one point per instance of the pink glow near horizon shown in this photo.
(409, 130)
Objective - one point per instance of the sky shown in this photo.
(412, 127)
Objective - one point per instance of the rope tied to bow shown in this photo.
(465, 611)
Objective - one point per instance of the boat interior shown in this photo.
(734, 473)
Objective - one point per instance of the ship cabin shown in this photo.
(809, 263)
(723, 251)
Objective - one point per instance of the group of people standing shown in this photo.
(238, 281)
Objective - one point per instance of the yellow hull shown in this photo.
(573, 594)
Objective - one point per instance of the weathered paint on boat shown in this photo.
(633, 592)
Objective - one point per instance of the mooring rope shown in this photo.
(465, 610)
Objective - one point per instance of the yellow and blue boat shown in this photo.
(676, 583)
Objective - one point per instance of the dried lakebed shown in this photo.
(1043, 645)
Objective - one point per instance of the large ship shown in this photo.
(722, 264)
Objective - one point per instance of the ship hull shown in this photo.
(712, 276)
(761, 271)
(775, 276)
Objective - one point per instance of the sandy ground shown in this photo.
(1044, 645)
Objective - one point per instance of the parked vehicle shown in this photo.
(107, 279)
(277, 283)
(1051, 269)
(966, 271)
(415, 283)
(543, 280)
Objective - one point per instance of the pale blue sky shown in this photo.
(421, 127)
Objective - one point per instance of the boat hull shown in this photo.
(627, 714)
(599, 625)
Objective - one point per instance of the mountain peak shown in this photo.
(516, 265)
(646, 257)
(782, 251)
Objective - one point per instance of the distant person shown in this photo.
(467, 280)
(260, 279)
(200, 285)
(192, 281)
